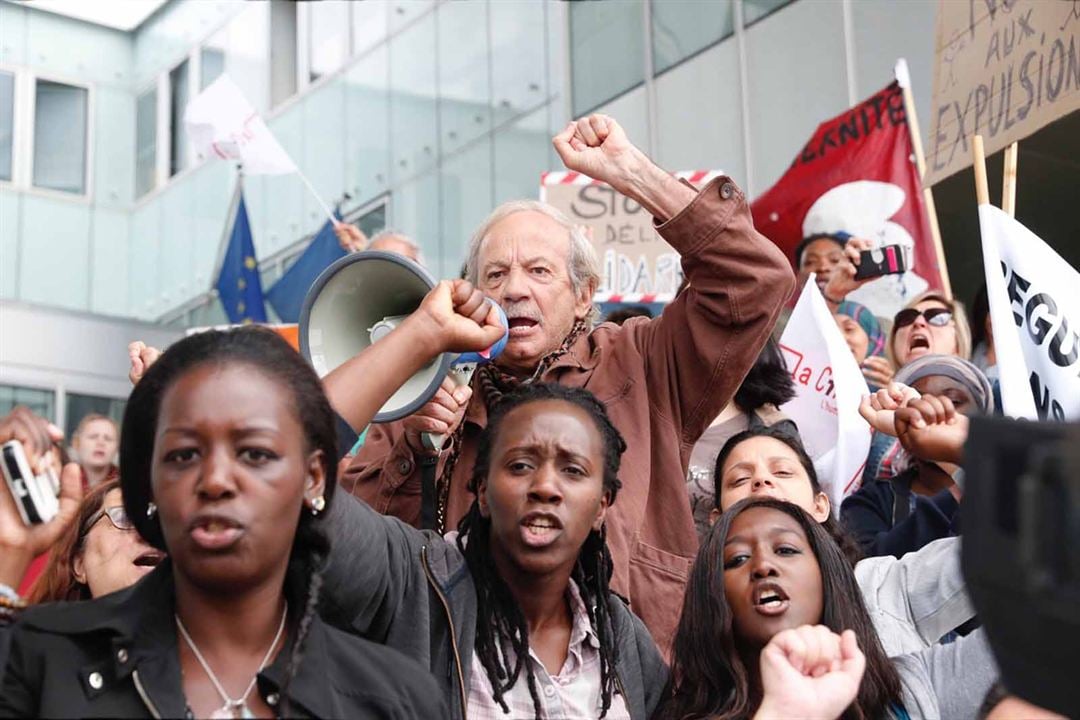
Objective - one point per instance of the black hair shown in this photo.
(265, 351)
(710, 677)
(499, 616)
(837, 238)
(768, 381)
(621, 315)
(840, 536)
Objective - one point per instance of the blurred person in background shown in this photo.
(99, 553)
(621, 315)
(863, 334)
(983, 354)
(756, 404)
(94, 445)
(352, 239)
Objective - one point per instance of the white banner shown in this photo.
(829, 387)
(1035, 312)
(221, 123)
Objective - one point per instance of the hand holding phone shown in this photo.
(878, 262)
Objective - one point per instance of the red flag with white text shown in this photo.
(858, 175)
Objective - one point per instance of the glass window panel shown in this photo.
(283, 39)
(241, 49)
(40, 402)
(79, 406)
(145, 142)
(464, 88)
(521, 154)
(681, 28)
(607, 50)
(178, 96)
(7, 120)
(60, 137)
(211, 64)
(415, 209)
(466, 191)
(413, 121)
(403, 12)
(328, 37)
(754, 10)
(518, 67)
(367, 133)
(370, 20)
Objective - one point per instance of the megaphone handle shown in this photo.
(461, 375)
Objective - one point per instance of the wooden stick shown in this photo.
(920, 165)
(978, 155)
(1008, 182)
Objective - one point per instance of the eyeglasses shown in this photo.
(937, 317)
(116, 515)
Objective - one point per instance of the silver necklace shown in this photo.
(232, 707)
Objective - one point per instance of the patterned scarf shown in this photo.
(494, 385)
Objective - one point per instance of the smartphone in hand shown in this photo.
(887, 260)
(35, 495)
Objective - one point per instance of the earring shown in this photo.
(318, 505)
(151, 509)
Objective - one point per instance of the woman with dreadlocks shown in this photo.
(228, 457)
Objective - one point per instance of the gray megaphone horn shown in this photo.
(361, 298)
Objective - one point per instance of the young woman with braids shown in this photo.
(227, 462)
(768, 567)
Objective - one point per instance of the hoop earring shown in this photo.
(151, 509)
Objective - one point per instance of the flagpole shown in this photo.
(1008, 182)
(904, 78)
(230, 220)
(318, 199)
(978, 155)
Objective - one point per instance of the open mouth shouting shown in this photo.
(540, 529)
(216, 532)
(149, 559)
(770, 599)
(918, 343)
(521, 326)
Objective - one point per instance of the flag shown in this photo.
(829, 387)
(1035, 315)
(287, 295)
(238, 283)
(857, 175)
(220, 122)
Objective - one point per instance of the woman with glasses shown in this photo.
(98, 554)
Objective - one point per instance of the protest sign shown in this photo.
(1035, 315)
(636, 264)
(828, 389)
(1003, 69)
(857, 175)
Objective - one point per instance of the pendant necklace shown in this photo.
(232, 708)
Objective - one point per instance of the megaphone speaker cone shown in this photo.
(358, 293)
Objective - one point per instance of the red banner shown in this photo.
(857, 175)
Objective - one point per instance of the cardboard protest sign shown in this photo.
(1035, 313)
(636, 264)
(829, 387)
(856, 175)
(1003, 69)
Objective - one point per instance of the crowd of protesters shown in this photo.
(625, 523)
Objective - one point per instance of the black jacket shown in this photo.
(117, 657)
(888, 519)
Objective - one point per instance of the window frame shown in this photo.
(155, 86)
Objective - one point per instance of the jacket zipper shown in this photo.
(145, 698)
(450, 619)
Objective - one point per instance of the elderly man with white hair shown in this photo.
(662, 380)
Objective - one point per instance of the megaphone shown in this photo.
(359, 299)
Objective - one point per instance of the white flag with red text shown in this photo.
(220, 122)
(829, 387)
(1035, 314)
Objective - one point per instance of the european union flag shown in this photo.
(238, 284)
(287, 295)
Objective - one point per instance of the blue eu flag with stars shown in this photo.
(238, 284)
(287, 294)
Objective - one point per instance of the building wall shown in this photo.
(442, 110)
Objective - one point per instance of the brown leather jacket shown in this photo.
(662, 380)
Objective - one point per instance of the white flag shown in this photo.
(221, 122)
(1035, 312)
(829, 387)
